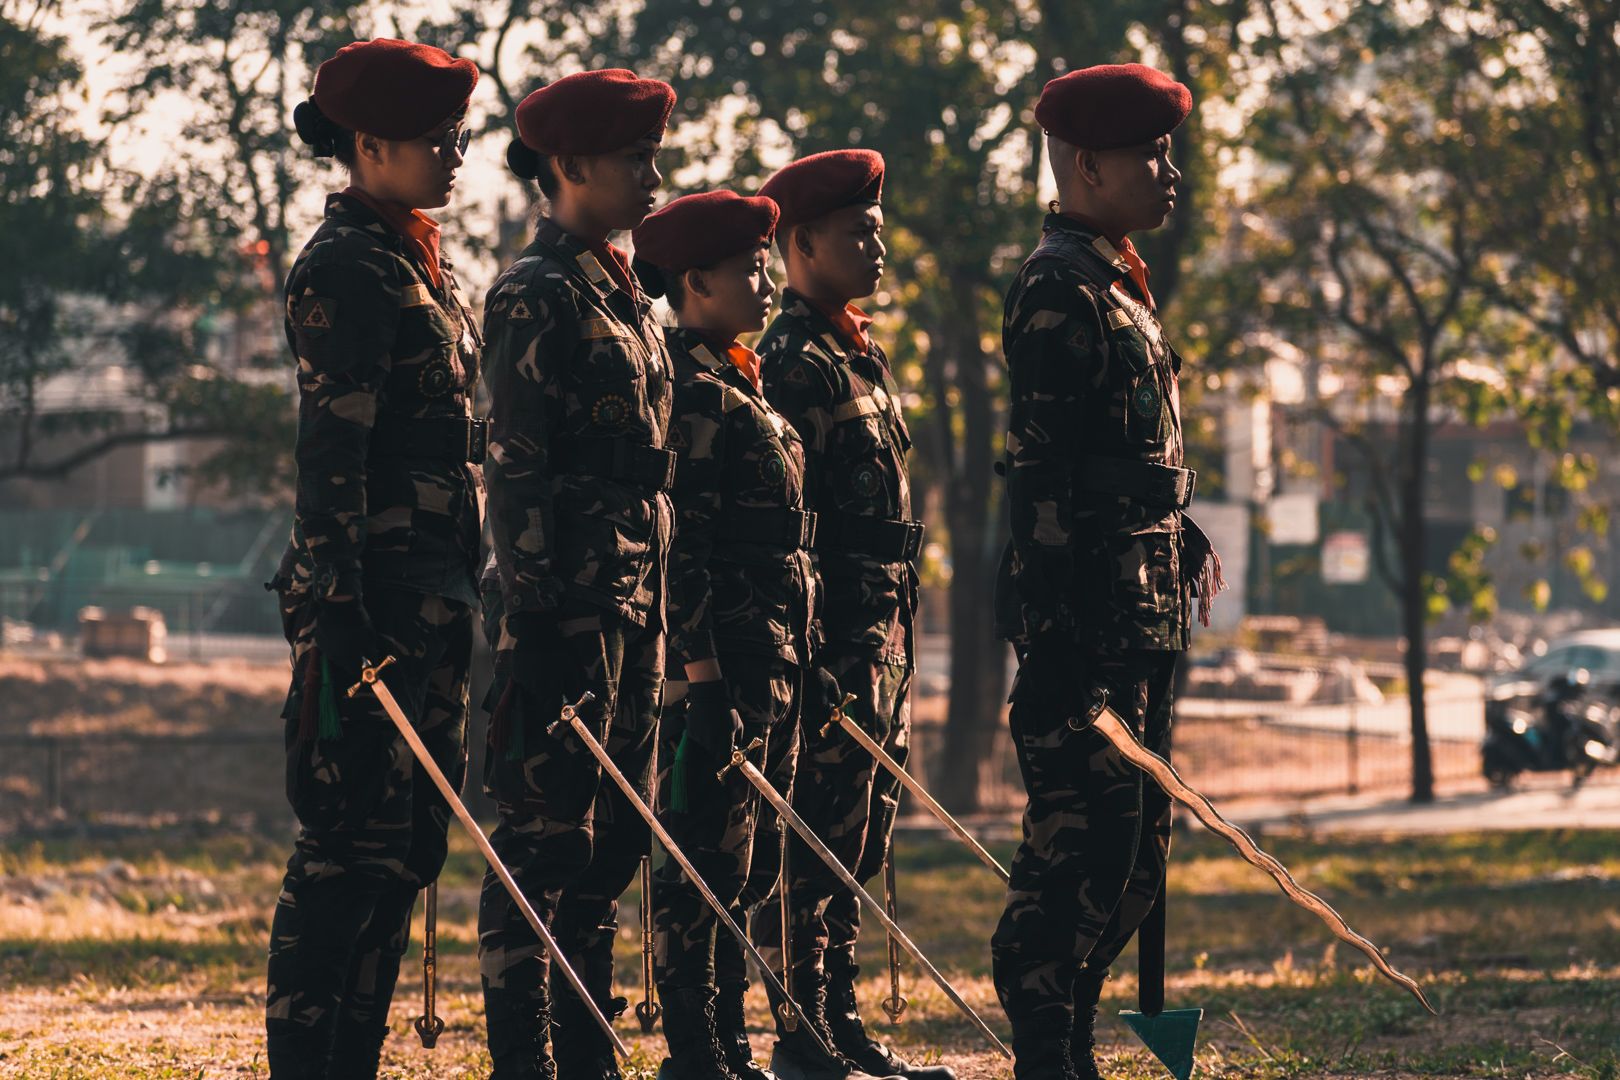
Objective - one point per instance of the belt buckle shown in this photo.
(670, 460)
(1187, 496)
(477, 447)
(913, 543)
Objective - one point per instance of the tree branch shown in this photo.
(53, 470)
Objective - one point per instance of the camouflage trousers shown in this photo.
(727, 829)
(850, 802)
(372, 833)
(1096, 835)
(566, 832)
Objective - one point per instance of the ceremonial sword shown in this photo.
(785, 811)
(570, 716)
(1098, 716)
(370, 675)
(912, 784)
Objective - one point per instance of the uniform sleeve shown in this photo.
(1054, 347)
(529, 336)
(343, 317)
(697, 432)
(798, 388)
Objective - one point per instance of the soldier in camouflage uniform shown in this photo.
(742, 598)
(580, 385)
(384, 550)
(1094, 585)
(824, 372)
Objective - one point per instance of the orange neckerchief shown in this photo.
(1138, 267)
(618, 267)
(851, 322)
(419, 230)
(741, 356)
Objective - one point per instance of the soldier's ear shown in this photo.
(1086, 166)
(804, 241)
(696, 283)
(368, 147)
(569, 168)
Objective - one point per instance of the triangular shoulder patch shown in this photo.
(319, 312)
(520, 311)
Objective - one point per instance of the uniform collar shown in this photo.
(838, 342)
(420, 232)
(717, 354)
(595, 265)
(1122, 257)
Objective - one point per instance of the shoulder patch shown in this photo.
(415, 295)
(598, 329)
(316, 314)
(796, 376)
(519, 312)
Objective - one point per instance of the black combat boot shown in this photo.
(849, 1033)
(1083, 1042)
(519, 1023)
(695, 1052)
(732, 1028)
(798, 1056)
(1041, 1056)
(582, 1049)
(297, 1051)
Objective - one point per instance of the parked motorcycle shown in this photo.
(1564, 724)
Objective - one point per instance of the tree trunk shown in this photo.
(1414, 611)
(977, 658)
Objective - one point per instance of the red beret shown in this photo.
(701, 230)
(594, 112)
(1112, 105)
(393, 89)
(815, 186)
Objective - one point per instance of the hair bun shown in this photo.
(522, 160)
(314, 127)
(652, 279)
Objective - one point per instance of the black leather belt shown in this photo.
(442, 438)
(761, 525)
(884, 539)
(1157, 485)
(616, 459)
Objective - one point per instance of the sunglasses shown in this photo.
(454, 143)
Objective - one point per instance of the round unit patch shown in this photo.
(436, 379)
(865, 481)
(772, 469)
(610, 410)
(1145, 400)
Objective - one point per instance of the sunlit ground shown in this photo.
(142, 957)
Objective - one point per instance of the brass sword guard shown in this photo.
(428, 1030)
(836, 713)
(369, 673)
(739, 756)
(1099, 702)
(570, 713)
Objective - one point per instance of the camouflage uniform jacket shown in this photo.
(580, 391)
(1094, 454)
(740, 573)
(842, 401)
(387, 364)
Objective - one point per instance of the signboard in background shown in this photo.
(1346, 558)
(1292, 518)
(1227, 526)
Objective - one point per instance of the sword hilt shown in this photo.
(1094, 708)
(838, 711)
(647, 1013)
(739, 756)
(369, 674)
(570, 713)
(895, 1006)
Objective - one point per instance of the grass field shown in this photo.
(142, 957)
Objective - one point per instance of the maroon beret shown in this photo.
(1112, 105)
(393, 89)
(701, 230)
(594, 112)
(815, 186)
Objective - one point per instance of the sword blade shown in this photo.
(913, 785)
(786, 812)
(571, 717)
(1120, 737)
(425, 759)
